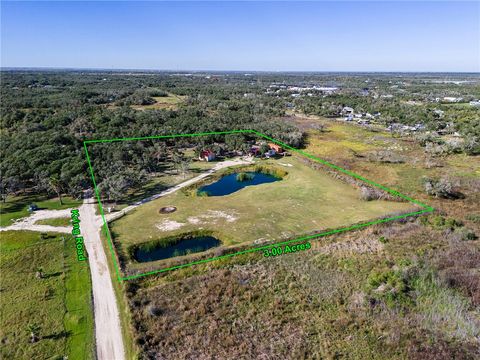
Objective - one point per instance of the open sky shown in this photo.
(270, 36)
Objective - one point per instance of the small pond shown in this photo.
(230, 183)
(183, 247)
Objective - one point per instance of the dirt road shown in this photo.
(108, 333)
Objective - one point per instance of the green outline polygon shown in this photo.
(426, 208)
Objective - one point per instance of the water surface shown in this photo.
(183, 247)
(229, 184)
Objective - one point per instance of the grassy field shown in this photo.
(169, 102)
(304, 201)
(16, 206)
(59, 303)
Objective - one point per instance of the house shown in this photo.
(277, 148)
(270, 153)
(347, 110)
(207, 155)
(255, 150)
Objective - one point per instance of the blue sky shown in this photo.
(276, 36)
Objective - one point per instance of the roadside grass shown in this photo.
(59, 303)
(120, 288)
(304, 201)
(16, 206)
(64, 221)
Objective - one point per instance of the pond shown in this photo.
(230, 183)
(183, 247)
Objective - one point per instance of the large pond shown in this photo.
(230, 183)
(183, 247)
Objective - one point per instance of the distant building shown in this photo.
(452, 99)
(475, 103)
(207, 155)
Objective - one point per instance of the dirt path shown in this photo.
(108, 333)
(219, 166)
(28, 223)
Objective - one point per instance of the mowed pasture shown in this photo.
(43, 286)
(304, 201)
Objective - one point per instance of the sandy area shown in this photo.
(28, 223)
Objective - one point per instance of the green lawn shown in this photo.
(59, 303)
(306, 200)
(16, 206)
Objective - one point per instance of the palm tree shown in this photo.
(56, 185)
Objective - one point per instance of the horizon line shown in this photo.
(53, 68)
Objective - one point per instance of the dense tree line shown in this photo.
(46, 116)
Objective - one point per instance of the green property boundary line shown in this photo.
(425, 208)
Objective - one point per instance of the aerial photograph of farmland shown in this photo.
(240, 180)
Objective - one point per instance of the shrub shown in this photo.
(439, 222)
(154, 310)
(369, 194)
(437, 149)
(391, 286)
(474, 217)
(465, 234)
(383, 239)
(243, 176)
(471, 146)
(386, 156)
(440, 188)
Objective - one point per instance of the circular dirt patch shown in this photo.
(167, 209)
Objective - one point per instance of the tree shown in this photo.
(183, 167)
(9, 186)
(264, 148)
(114, 186)
(56, 185)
